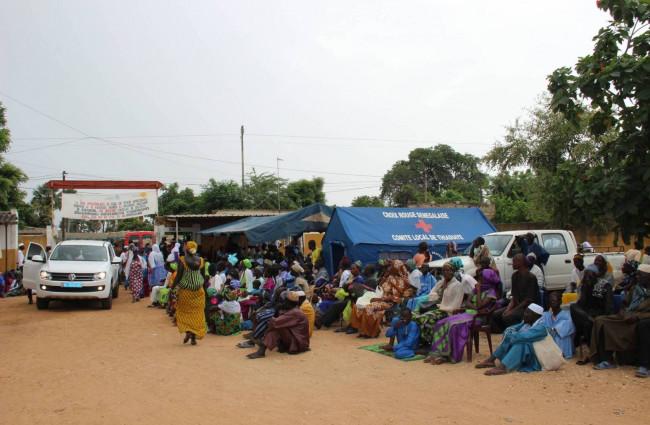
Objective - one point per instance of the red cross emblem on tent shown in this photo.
(424, 226)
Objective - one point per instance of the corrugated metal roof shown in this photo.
(229, 213)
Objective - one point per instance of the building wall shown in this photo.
(8, 245)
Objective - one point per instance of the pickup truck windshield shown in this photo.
(496, 243)
(79, 253)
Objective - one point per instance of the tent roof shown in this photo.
(265, 229)
(409, 226)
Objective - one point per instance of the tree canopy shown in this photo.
(528, 158)
(433, 171)
(614, 82)
(261, 192)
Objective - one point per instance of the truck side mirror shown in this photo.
(116, 260)
(37, 259)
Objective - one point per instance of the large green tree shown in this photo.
(613, 81)
(175, 201)
(221, 195)
(433, 171)
(367, 201)
(11, 177)
(306, 192)
(512, 195)
(540, 142)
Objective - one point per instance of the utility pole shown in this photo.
(242, 156)
(64, 221)
(426, 186)
(277, 162)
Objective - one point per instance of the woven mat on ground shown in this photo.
(375, 349)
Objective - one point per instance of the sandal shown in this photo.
(495, 371)
(340, 330)
(438, 361)
(605, 366)
(642, 372)
(484, 365)
(247, 344)
(583, 362)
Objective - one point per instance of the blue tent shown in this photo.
(313, 218)
(368, 234)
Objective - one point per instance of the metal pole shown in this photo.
(278, 165)
(242, 156)
(64, 221)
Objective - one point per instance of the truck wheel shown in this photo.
(107, 302)
(42, 303)
(116, 290)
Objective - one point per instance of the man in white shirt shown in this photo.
(635, 253)
(21, 257)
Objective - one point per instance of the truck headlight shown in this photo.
(100, 276)
(46, 275)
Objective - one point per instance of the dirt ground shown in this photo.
(76, 364)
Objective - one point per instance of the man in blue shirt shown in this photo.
(516, 350)
(407, 333)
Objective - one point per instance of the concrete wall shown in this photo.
(8, 245)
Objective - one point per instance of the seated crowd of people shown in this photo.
(280, 298)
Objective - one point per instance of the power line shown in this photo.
(173, 153)
(288, 136)
(46, 147)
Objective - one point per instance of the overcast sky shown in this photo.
(338, 89)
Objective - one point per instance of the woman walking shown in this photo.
(157, 267)
(190, 306)
(135, 265)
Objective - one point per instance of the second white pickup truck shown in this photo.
(561, 245)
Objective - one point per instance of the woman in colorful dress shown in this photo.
(135, 264)
(225, 319)
(395, 285)
(451, 334)
(190, 305)
(448, 296)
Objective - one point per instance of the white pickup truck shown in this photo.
(76, 269)
(561, 245)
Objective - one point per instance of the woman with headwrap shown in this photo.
(190, 315)
(395, 285)
(246, 274)
(157, 267)
(135, 265)
(451, 334)
(629, 270)
(596, 299)
(447, 295)
(225, 318)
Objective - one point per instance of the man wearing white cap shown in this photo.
(516, 350)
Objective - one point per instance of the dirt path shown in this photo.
(76, 364)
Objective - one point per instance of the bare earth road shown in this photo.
(76, 364)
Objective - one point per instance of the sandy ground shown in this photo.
(76, 364)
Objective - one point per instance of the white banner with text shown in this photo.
(109, 207)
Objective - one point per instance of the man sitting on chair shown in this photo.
(516, 350)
